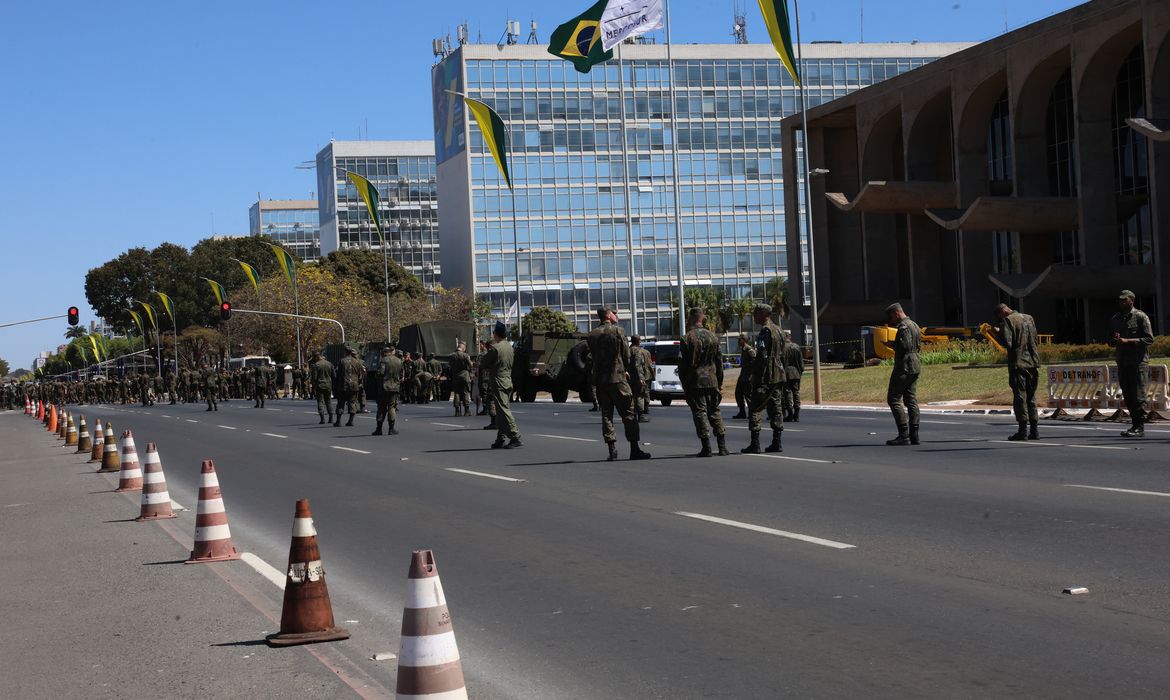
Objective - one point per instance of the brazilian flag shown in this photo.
(578, 41)
(780, 31)
(369, 195)
(495, 134)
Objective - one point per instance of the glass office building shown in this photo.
(293, 223)
(404, 174)
(572, 247)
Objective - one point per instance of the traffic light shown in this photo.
(225, 311)
(73, 315)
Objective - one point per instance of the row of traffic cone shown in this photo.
(429, 664)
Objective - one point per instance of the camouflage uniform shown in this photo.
(1133, 363)
(353, 375)
(323, 377)
(390, 381)
(793, 369)
(497, 368)
(903, 386)
(1018, 336)
(612, 363)
(767, 388)
(701, 371)
(460, 372)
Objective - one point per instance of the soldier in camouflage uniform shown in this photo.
(260, 383)
(497, 367)
(612, 366)
(389, 383)
(323, 377)
(700, 369)
(460, 373)
(903, 388)
(743, 385)
(768, 379)
(1017, 334)
(645, 369)
(353, 375)
(794, 369)
(210, 381)
(1131, 338)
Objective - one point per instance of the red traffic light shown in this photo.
(74, 315)
(225, 310)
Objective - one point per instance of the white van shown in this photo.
(664, 355)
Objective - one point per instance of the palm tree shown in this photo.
(75, 332)
(776, 295)
(740, 309)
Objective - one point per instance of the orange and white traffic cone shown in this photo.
(27, 406)
(71, 433)
(51, 419)
(213, 538)
(84, 443)
(428, 659)
(111, 462)
(156, 500)
(130, 476)
(63, 425)
(99, 438)
(307, 615)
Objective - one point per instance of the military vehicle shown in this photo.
(553, 363)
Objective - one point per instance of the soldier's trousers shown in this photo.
(642, 399)
(792, 397)
(361, 397)
(325, 402)
(618, 396)
(211, 403)
(1023, 383)
(260, 394)
(462, 392)
(1134, 381)
(348, 399)
(903, 389)
(704, 405)
(768, 398)
(501, 401)
(742, 390)
(387, 407)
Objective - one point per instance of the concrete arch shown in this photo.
(929, 152)
(1159, 70)
(882, 156)
(1094, 90)
(971, 136)
(885, 242)
(1029, 107)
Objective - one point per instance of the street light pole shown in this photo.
(818, 396)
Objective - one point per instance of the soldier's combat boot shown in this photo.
(337, 423)
(390, 429)
(706, 451)
(491, 426)
(643, 418)
(513, 444)
(378, 430)
(914, 435)
(722, 441)
(902, 439)
(796, 415)
(754, 447)
(320, 422)
(775, 446)
(498, 444)
(636, 452)
(1137, 431)
(739, 416)
(613, 455)
(1033, 432)
(466, 409)
(349, 423)
(458, 410)
(1021, 434)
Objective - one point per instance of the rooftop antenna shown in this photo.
(739, 26)
(511, 35)
(532, 38)
(441, 47)
(862, 4)
(463, 34)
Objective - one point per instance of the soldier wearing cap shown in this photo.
(700, 369)
(903, 387)
(210, 381)
(260, 379)
(794, 370)
(459, 370)
(1131, 337)
(767, 382)
(323, 376)
(353, 375)
(497, 368)
(1017, 335)
(612, 368)
(389, 383)
(645, 369)
(743, 385)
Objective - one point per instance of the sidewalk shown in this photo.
(97, 605)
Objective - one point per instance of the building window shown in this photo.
(1131, 167)
(1061, 150)
(999, 175)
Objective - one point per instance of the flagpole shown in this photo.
(297, 307)
(626, 182)
(818, 396)
(682, 314)
(386, 272)
(515, 250)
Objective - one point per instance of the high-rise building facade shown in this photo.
(404, 174)
(293, 223)
(571, 245)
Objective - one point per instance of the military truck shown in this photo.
(553, 363)
(438, 338)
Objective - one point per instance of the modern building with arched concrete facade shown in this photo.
(1024, 169)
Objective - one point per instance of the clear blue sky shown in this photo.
(132, 123)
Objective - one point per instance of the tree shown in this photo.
(367, 268)
(197, 345)
(75, 332)
(213, 258)
(3, 367)
(549, 320)
(710, 300)
(776, 295)
(739, 309)
(456, 305)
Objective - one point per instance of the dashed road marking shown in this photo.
(767, 530)
(283, 437)
(225, 427)
(786, 428)
(1117, 490)
(487, 476)
(449, 425)
(192, 421)
(797, 459)
(263, 568)
(566, 437)
(1033, 443)
(349, 449)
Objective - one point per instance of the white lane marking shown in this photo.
(786, 428)
(797, 459)
(275, 435)
(1033, 443)
(942, 422)
(309, 413)
(225, 427)
(349, 449)
(1110, 488)
(449, 425)
(192, 421)
(487, 476)
(176, 506)
(1085, 427)
(858, 418)
(166, 416)
(767, 530)
(146, 413)
(566, 437)
(263, 568)
(17, 505)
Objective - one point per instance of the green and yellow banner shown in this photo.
(149, 314)
(369, 195)
(495, 134)
(138, 320)
(96, 351)
(216, 289)
(578, 41)
(286, 262)
(251, 274)
(84, 357)
(168, 305)
(780, 31)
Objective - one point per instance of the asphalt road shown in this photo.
(863, 570)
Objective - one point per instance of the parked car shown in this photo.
(666, 386)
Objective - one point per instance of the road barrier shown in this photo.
(1095, 388)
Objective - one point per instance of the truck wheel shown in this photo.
(560, 395)
(664, 402)
(528, 396)
(577, 356)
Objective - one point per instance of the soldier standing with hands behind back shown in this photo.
(1132, 336)
(768, 378)
(323, 375)
(390, 381)
(1018, 336)
(701, 370)
(903, 386)
(497, 368)
(612, 371)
